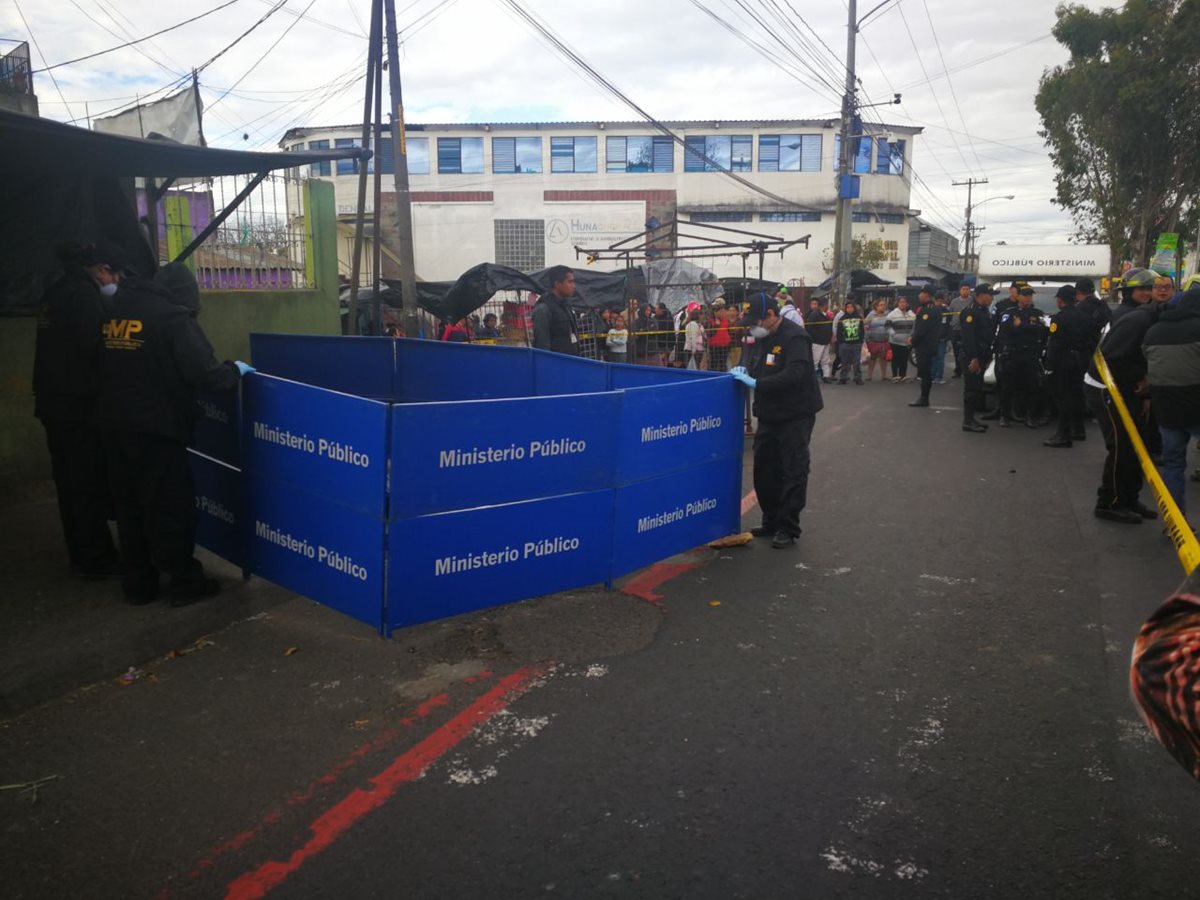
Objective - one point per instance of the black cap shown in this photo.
(939, 295)
(106, 253)
(759, 305)
(925, 289)
(1085, 286)
(983, 288)
(1025, 290)
(1066, 292)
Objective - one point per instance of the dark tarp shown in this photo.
(41, 146)
(452, 301)
(859, 278)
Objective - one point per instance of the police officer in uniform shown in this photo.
(64, 387)
(978, 332)
(927, 332)
(787, 398)
(154, 356)
(1020, 340)
(998, 311)
(1068, 350)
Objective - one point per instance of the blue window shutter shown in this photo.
(810, 153)
(614, 154)
(385, 156)
(562, 154)
(768, 153)
(449, 156)
(664, 154)
(883, 156)
(693, 154)
(740, 159)
(504, 155)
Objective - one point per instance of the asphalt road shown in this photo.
(926, 698)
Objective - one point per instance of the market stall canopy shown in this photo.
(859, 278)
(41, 146)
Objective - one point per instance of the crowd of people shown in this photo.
(117, 364)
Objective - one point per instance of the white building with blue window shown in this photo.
(527, 194)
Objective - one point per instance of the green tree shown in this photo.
(865, 254)
(1122, 119)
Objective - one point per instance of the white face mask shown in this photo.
(758, 332)
(108, 290)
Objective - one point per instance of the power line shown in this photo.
(979, 61)
(142, 52)
(265, 53)
(196, 18)
(949, 81)
(38, 48)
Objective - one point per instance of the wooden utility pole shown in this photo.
(970, 234)
(404, 225)
(373, 62)
(842, 240)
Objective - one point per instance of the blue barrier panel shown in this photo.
(365, 367)
(622, 377)
(435, 371)
(677, 426)
(448, 456)
(320, 441)
(219, 524)
(218, 426)
(447, 564)
(555, 373)
(668, 515)
(318, 548)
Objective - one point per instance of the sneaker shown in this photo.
(1143, 510)
(783, 540)
(762, 531)
(920, 402)
(974, 427)
(939, 381)
(858, 381)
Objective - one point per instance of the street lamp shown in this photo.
(970, 235)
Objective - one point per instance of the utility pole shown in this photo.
(842, 240)
(404, 225)
(374, 60)
(969, 236)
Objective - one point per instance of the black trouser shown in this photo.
(924, 359)
(900, 360)
(84, 501)
(156, 509)
(974, 398)
(1019, 389)
(960, 364)
(1067, 386)
(1121, 480)
(781, 463)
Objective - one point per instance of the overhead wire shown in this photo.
(79, 59)
(265, 53)
(38, 48)
(950, 81)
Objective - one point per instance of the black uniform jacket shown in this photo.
(67, 350)
(1122, 346)
(554, 326)
(1071, 341)
(1022, 332)
(154, 356)
(788, 385)
(978, 330)
(927, 330)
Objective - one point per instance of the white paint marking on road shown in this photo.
(1134, 733)
(842, 570)
(1162, 842)
(946, 579)
(802, 567)
(595, 671)
(465, 776)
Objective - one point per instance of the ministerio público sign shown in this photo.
(1049, 260)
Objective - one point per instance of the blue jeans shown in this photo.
(1174, 455)
(939, 362)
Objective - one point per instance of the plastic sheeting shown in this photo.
(677, 282)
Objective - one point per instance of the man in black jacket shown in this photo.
(820, 328)
(926, 334)
(553, 323)
(787, 398)
(1172, 349)
(1093, 307)
(1068, 352)
(1020, 340)
(1121, 481)
(978, 331)
(64, 388)
(154, 356)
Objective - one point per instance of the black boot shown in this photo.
(992, 416)
(970, 425)
(922, 401)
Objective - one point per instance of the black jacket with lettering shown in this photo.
(1071, 342)
(66, 355)
(978, 331)
(1122, 346)
(554, 326)
(927, 330)
(153, 358)
(788, 384)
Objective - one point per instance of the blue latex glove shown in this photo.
(738, 370)
(745, 379)
(244, 368)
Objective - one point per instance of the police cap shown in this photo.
(1025, 290)
(757, 307)
(105, 253)
(1066, 293)
(1085, 286)
(984, 288)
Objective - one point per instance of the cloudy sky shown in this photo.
(474, 60)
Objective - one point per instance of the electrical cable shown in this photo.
(38, 48)
(266, 52)
(196, 18)
(950, 82)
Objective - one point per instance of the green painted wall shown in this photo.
(228, 318)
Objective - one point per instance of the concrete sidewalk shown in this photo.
(59, 633)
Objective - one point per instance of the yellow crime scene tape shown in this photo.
(1186, 545)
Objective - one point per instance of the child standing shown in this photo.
(849, 343)
(617, 343)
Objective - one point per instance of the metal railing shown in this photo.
(15, 76)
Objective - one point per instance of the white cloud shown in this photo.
(475, 62)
